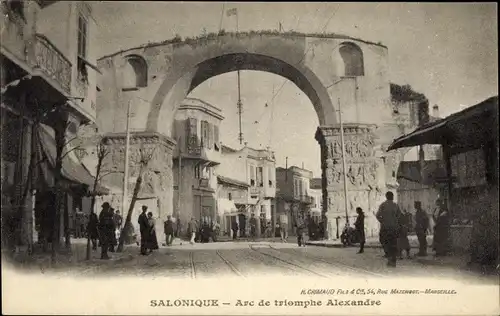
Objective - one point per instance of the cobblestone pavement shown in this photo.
(247, 259)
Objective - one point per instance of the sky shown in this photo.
(447, 51)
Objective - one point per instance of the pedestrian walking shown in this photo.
(403, 242)
(301, 227)
(389, 215)
(113, 241)
(283, 227)
(234, 228)
(360, 228)
(106, 229)
(92, 229)
(144, 229)
(152, 240)
(421, 228)
(168, 227)
(192, 229)
(253, 227)
(441, 229)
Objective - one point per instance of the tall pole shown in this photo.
(127, 149)
(344, 167)
(237, 26)
(179, 182)
(240, 109)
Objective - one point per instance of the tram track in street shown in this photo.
(229, 264)
(191, 263)
(276, 258)
(334, 263)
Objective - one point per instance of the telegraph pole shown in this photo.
(240, 109)
(179, 182)
(127, 149)
(343, 163)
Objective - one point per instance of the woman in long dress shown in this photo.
(440, 243)
(152, 241)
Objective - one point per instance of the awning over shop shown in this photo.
(72, 169)
(226, 206)
(467, 127)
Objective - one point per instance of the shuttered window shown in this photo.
(204, 134)
(210, 136)
(191, 132)
(260, 175)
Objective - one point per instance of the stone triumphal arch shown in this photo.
(331, 70)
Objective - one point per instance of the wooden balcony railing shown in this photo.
(52, 62)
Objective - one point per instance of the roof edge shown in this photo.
(214, 36)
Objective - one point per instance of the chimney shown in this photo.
(435, 111)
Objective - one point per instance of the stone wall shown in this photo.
(365, 175)
(157, 179)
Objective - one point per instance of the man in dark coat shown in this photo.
(389, 216)
(253, 227)
(234, 227)
(106, 229)
(168, 227)
(92, 229)
(421, 227)
(360, 228)
(301, 227)
(144, 229)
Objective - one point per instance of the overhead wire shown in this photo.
(275, 94)
(302, 59)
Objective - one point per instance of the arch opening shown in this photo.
(169, 96)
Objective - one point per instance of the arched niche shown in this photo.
(134, 72)
(352, 63)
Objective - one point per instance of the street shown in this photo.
(253, 259)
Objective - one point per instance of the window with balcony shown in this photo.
(216, 137)
(192, 135)
(210, 138)
(300, 187)
(204, 134)
(270, 175)
(252, 175)
(260, 175)
(82, 47)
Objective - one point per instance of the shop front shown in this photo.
(470, 146)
